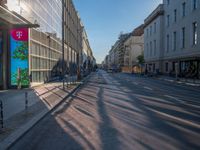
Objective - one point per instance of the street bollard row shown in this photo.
(1, 113)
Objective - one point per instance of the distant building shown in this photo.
(87, 58)
(116, 53)
(134, 47)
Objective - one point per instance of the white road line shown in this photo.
(169, 80)
(174, 98)
(192, 84)
(177, 119)
(135, 83)
(148, 88)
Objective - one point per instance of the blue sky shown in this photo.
(105, 19)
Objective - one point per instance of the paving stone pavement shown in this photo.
(40, 99)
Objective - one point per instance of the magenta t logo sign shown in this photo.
(19, 34)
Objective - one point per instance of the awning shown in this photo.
(13, 20)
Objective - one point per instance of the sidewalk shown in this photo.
(41, 100)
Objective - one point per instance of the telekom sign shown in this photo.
(20, 34)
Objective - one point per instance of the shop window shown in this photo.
(154, 67)
(166, 67)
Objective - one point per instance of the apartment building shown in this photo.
(35, 54)
(116, 53)
(134, 47)
(182, 38)
(153, 40)
(172, 38)
(87, 55)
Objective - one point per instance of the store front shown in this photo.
(190, 69)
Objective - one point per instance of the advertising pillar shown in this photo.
(19, 67)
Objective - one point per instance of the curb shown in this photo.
(19, 133)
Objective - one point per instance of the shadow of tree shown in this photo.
(108, 134)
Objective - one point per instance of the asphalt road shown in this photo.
(120, 111)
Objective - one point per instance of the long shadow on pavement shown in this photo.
(108, 134)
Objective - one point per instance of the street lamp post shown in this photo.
(63, 44)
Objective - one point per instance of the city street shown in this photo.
(121, 111)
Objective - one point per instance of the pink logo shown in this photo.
(20, 34)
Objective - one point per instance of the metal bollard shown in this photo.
(26, 100)
(1, 119)
(67, 81)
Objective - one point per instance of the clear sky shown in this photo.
(105, 19)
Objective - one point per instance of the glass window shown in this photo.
(167, 43)
(155, 27)
(166, 67)
(195, 33)
(168, 1)
(147, 32)
(183, 9)
(194, 4)
(150, 30)
(175, 15)
(150, 48)
(183, 37)
(168, 17)
(154, 67)
(174, 41)
(155, 47)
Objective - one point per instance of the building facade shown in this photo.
(44, 58)
(153, 40)
(134, 47)
(182, 38)
(172, 39)
(116, 54)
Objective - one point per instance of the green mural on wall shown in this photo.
(21, 51)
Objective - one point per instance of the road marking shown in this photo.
(148, 88)
(153, 98)
(169, 80)
(192, 84)
(179, 82)
(174, 98)
(135, 83)
(176, 118)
